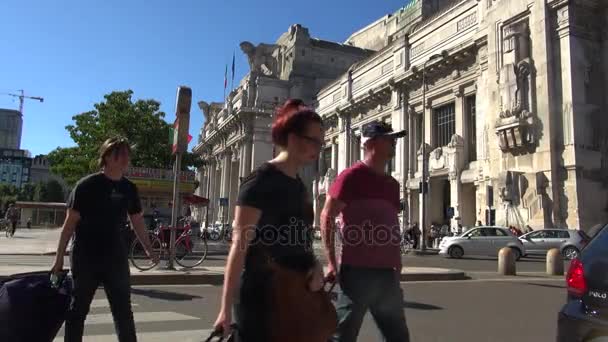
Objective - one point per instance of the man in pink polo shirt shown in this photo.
(370, 264)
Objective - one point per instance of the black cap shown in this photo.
(377, 129)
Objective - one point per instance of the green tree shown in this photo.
(141, 122)
(8, 194)
(54, 192)
(26, 193)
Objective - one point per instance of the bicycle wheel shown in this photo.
(191, 250)
(140, 259)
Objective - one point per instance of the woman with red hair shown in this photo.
(271, 247)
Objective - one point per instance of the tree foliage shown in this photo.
(141, 122)
(51, 191)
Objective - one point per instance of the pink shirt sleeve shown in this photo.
(343, 187)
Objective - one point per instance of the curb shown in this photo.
(218, 278)
(422, 253)
(444, 276)
(178, 279)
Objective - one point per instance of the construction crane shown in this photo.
(22, 98)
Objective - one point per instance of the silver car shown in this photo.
(569, 242)
(484, 240)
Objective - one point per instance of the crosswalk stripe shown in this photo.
(141, 317)
(162, 336)
(103, 303)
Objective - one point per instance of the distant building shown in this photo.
(41, 172)
(507, 98)
(11, 125)
(41, 214)
(236, 136)
(15, 166)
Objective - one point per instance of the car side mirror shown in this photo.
(469, 237)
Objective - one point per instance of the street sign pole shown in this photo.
(174, 209)
(180, 146)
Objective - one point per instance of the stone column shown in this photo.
(455, 198)
(428, 124)
(235, 168)
(225, 184)
(214, 188)
(334, 154)
(460, 116)
(398, 124)
(207, 179)
(246, 158)
(344, 143)
(411, 138)
(456, 161)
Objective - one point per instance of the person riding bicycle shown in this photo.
(12, 215)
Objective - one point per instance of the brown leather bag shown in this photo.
(296, 313)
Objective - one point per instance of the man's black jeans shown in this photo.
(13, 227)
(377, 290)
(115, 278)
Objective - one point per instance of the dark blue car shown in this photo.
(585, 316)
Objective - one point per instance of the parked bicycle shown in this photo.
(190, 247)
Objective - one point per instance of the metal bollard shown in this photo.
(555, 262)
(506, 262)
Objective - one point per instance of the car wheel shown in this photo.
(456, 252)
(516, 253)
(570, 253)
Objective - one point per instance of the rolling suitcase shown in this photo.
(31, 308)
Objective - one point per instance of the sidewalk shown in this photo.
(44, 242)
(214, 275)
(35, 241)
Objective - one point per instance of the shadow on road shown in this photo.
(21, 237)
(547, 285)
(420, 306)
(164, 295)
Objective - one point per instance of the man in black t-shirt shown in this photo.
(98, 208)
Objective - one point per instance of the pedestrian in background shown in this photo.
(12, 215)
(369, 271)
(97, 212)
(416, 235)
(279, 298)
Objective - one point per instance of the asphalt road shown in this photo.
(477, 310)
(470, 265)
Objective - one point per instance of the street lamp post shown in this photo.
(424, 186)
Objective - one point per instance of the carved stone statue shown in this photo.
(437, 160)
(262, 58)
(515, 85)
(456, 141)
(204, 106)
(514, 125)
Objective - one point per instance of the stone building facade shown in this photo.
(511, 114)
(236, 137)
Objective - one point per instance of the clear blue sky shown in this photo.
(73, 52)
